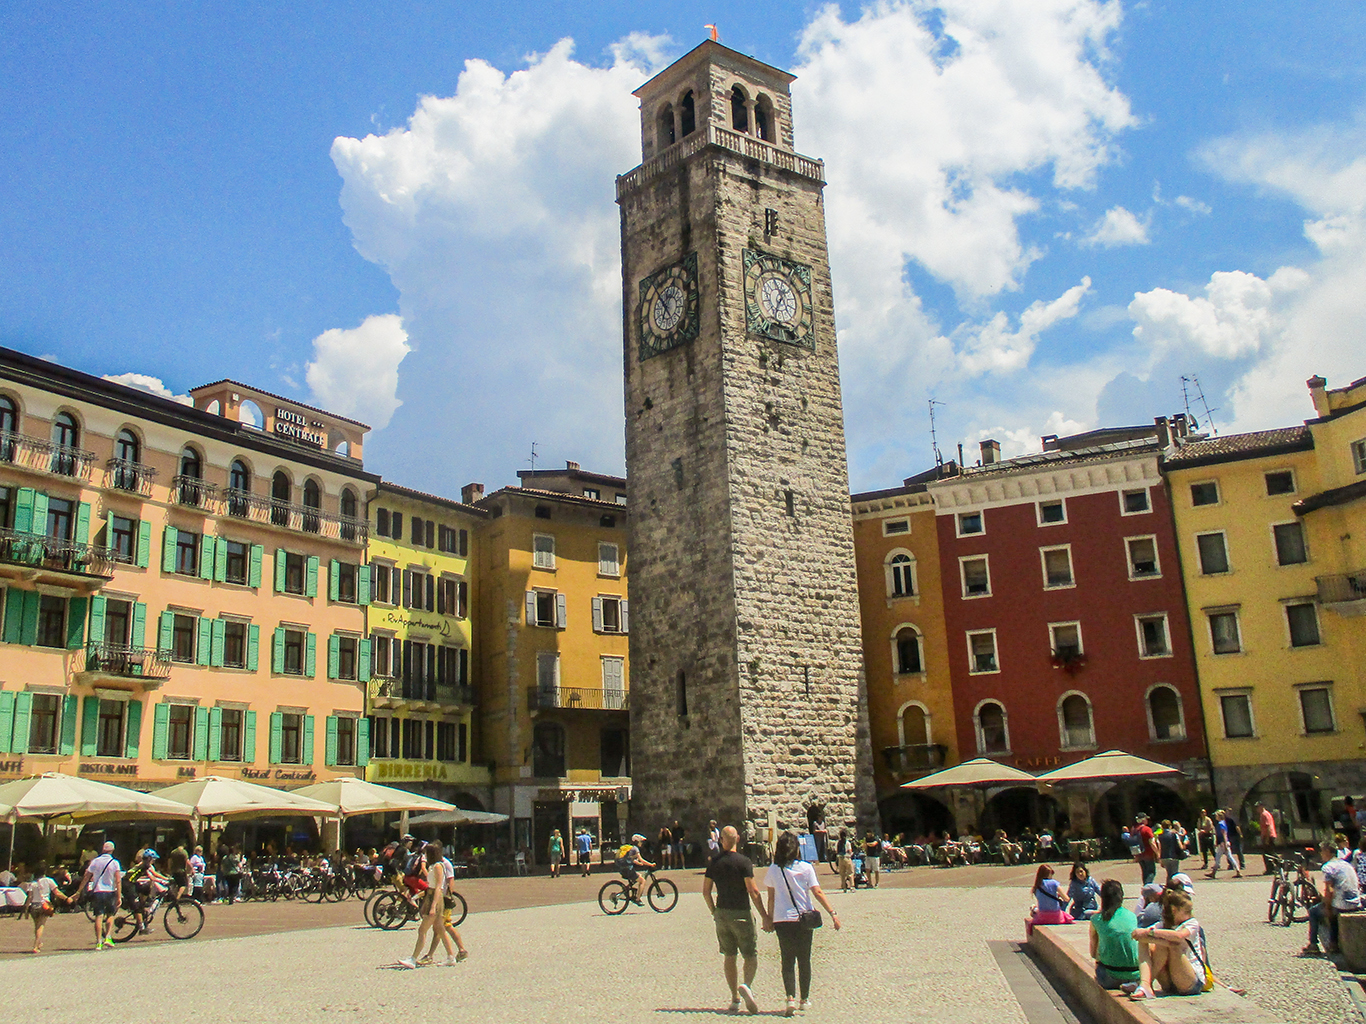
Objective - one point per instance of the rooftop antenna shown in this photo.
(533, 456)
(934, 439)
(1194, 382)
(715, 35)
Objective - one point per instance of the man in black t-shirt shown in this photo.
(731, 876)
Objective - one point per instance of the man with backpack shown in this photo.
(629, 862)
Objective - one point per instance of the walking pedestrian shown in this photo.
(429, 911)
(462, 953)
(1169, 844)
(1235, 840)
(583, 843)
(1223, 848)
(230, 868)
(1147, 848)
(556, 853)
(1204, 837)
(792, 886)
(872, 859)
(731, 875)
(713, 840)
(680, 850)
(666, 847)
(41, 903)
(844, 859)
(104, 879)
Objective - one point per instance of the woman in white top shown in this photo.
(792, 886)
(433, 902)
(41, 904)
(1173, 956)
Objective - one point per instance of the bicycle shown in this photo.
(183, 917)
(1282, 900)
(393, 909)
(617, 895)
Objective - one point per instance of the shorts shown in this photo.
(105, 903)
(871, 864)
(179, 878)
(416, 884)
(1197, 986)
(554, 859)
(585, 856)
(735, 933)
(1111, 980)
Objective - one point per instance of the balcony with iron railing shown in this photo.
(45, 456)
(193, 492)
(119, 663)
(1344, 593)
(577, 698)
(289, 516)
(390, 692)
(36, 555)
(126, 475)
(914, 758)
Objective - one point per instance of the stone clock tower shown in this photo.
(747, 690)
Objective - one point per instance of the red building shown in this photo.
(1066, 623)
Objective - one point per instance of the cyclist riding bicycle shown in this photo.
(629, 862)
(141, 884)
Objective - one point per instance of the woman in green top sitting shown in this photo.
(1113, 946)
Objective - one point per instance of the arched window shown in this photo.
(739, 116)
(1074, 722)
(908, 654)
(665, 127)
(687, 115)
(1166, 721)
(239, 486)
(348, 509)
(548, 751)
(66, 435)
(9, 425)
(126, 458)
(993, 733)
(281, 492)
(190, 465)
(913, 725)
(763, 118)
(900, 572)
(188, 487)
(250, 414)
(313, 498)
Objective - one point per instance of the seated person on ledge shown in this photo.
(1341, 895)
(1172, 957)
(1050, 901)
(1113, 947)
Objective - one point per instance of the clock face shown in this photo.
(668, 313)
(778, 298)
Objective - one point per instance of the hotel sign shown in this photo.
(292, 424)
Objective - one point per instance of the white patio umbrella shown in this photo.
(214, 796)
(979, 773)
(1111, 765)
(459, 816)
(346, 796)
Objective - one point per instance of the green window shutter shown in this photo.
(168, 543)
(249, 739)
(333, 579)
(139, 624)
(311, 655)
(277, 652)
(363, 661)
(363, 742)
(220, 560)
(161, 720)
(333, 656)
(201, 734)
(7, 719)
(165, 632)
(133, 731)
(203, 648)
(23, 510)
(330, 744)
(215, 733)
(39, 514)
(279, 570)
(311, 577)
(68, 742)
(83, 523)
(306, 756)
(90, 726)
(253, 647)
(207, 545)
(254, 567)
(144, 551)
(277, 724)
(362, 584)
(75, 622)
(14, 616)
(29, 625)
(23, 704)
(97, 604)
(220, 640)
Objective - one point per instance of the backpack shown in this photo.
(413, 867)
(624, 852)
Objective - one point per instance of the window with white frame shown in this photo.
(1135, 502)
(1302, 621)
(1057, 567)
(608, 562)
(546, 608)
(1142, 557)
(1153, 641)
(1290, 546)
(1213, 551)
(609, 614)
(900, 572)
(1051, 513)
(993, 731)
(970, 523)
(1316, 708)
(909, 654)
(1166, 720)
(1066, 640)
(913, 725)
(982, 652)
(1224, 635)
(895, 527)
(1236, 710)
(1075, 727)
(543, 551)
(976, 576)
(1359, 456)
(613, 683)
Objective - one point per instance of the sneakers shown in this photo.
(450, 961)
(408, 962)
(804, 1005)
(734, 1006)
(464, 954)
(747, 994)
(791, 1008)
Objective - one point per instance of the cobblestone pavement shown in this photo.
(915, 949)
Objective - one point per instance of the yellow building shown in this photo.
(1272, 533)
(905, 652)
(553, 654)
(421, 695)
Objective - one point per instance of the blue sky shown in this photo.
(1042, 213)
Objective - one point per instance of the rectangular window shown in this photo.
(969, 523)
(1280, 482)
(611, 614)
(346, 582)
(1290, 549)
(179, 732)
(1206, 493)
(1316, 707)
(381, 522)
(1134, 502)
(1359, 456)
(123, 538)
(462, 599)
(51, 621)
(592, 492)
(382, 646)
(621, 498)
(44, 729)
(893, 527)
(183, 630)
(607, 560)
(346, 740)
(614, 683)
(187, 553)
(1142, 557)
(60, 520)
(291, 738)
(118, 620)
(446, 596)
(230, 735)
(1224, 634)
(982, 652)
(109, 737)
(294, 652)
(1304, 625)
(380, 593)
(237, 561)
(1237, 712)
(296, 567)
(547, 677)
(1057, 567)
(1152, 636)
(1213, 553)
(543, 551)
(347, 648)
(1066, 640)
(445, 539)
(976, 577)
(445, 741)
(545, 608)
(235, 644)
(1052, 512)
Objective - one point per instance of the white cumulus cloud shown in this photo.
(354, 371)
(152, 385)
(1118, 227)
(995, 348)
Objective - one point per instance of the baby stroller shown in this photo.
(860, 876)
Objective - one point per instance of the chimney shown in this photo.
(571, 465)
(1164, 434)
(471, 493)
(1179, 428)
(1318, 392)
(991, 451)
(1049, 442)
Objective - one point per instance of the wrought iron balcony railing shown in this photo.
(577, 698)
(45, 456)
(54, 555)
(382, 688)
(914, 757)
(194, 493)
(122, 660)
(303, 518)
(125, 475)
(1343, 588)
